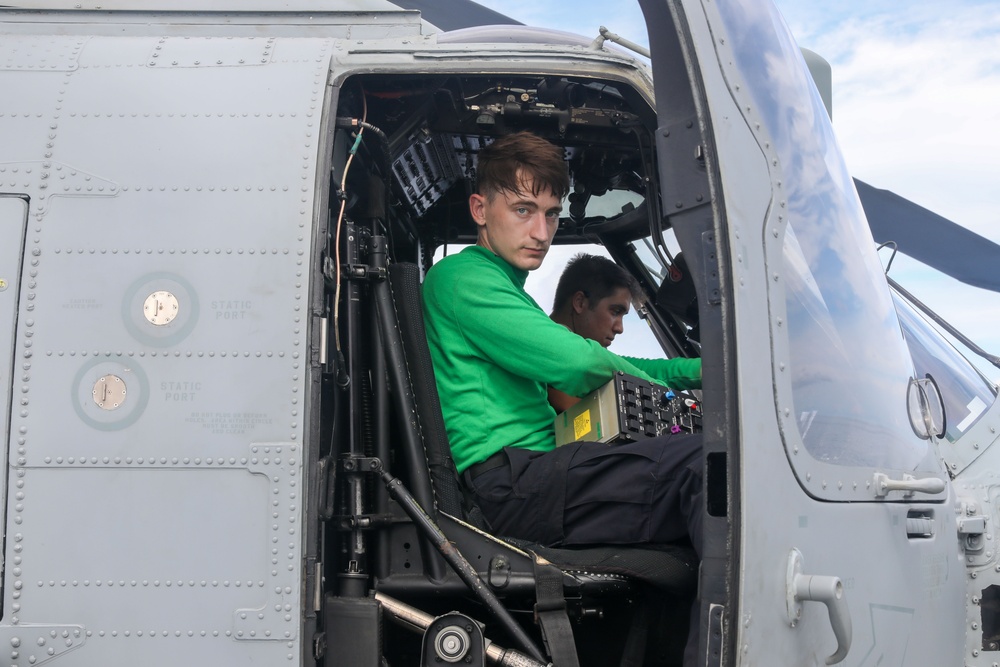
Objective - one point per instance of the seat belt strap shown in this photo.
(635, 645)
(551, 614)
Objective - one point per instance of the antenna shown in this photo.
(822, 76)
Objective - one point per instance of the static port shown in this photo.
(109, 392)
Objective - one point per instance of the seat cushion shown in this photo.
(670, 568)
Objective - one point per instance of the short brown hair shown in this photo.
(511, 159)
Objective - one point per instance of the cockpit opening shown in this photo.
(408, 146)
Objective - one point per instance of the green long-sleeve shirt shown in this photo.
(494, 351)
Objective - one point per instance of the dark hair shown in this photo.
(503, 165)
(597, 277)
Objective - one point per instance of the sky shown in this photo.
(915, 91)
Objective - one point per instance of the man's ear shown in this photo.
(477, 208)
(580, 302)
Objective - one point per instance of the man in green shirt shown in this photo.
(495, 351)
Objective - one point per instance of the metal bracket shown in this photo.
(326, 474)
(32, 645)
(363, 272)
(972, 525)
(710, 267)
(971, 530)
(687, 177)
(499, 572)
(319, 645)
(354, 464)
(716, 634)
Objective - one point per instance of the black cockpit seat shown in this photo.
(507, 566)
(676, 295)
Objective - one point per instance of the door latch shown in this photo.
(908, 485)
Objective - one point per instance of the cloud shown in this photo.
(913, 105)
(914, 112)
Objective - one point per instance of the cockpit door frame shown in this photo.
(764, 529)
(689, 185)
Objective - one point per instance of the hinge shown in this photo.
(971, 529)
(317, 586)
(314, 583)
(972, 525)
(326, 473)
(324, 331)
(319, 645)
(710, 263)
(716, 638)
(687, 178)
(329, 269)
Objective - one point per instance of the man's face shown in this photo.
(601, 321)
(517, 226)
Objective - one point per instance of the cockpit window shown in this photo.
(848, 362)
(841, 366)
(965, 392)
(610, 204)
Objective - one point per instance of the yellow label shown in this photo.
(581, 425)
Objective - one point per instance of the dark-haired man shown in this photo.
(592, 298)
(495, 351)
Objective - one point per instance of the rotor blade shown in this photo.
(930, 238)
(455, 14)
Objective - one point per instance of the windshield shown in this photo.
(965, 392)
(838, 346)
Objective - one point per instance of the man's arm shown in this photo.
(676, 373)
(501, 323)
(560, 400)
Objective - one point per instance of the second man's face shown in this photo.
(517, 226)
(602, 321)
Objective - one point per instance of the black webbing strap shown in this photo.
(550, 613)
(635, 645)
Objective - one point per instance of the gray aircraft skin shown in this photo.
(189, 217)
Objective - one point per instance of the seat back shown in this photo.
(676, 295)
(404, 281)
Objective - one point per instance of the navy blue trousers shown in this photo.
(593, 493)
